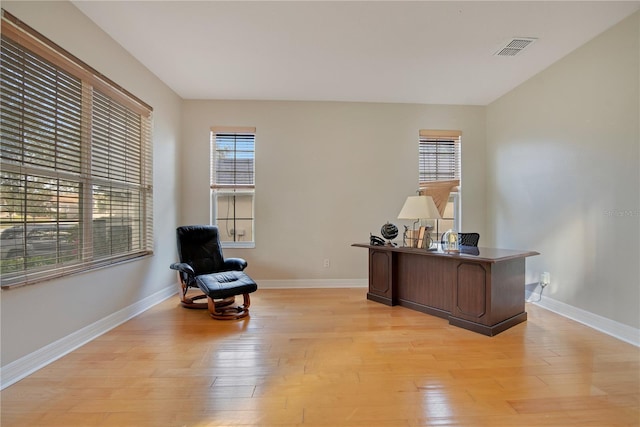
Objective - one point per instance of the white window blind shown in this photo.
(76, 180)
(234, 160)
(439, 155)
(233, 184)
(440, 173)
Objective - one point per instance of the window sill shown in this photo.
(71, 270)
(240, 245)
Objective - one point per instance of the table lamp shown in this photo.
(417, 208)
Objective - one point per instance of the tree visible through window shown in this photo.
(233, 184)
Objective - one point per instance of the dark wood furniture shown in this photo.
(480, 289)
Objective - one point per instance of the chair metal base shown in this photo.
(228, 312)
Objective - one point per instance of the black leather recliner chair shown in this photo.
(203, 266)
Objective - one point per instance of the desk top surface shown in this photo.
(466, 252)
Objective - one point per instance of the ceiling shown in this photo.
(425, 52)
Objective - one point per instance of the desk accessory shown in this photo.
(450, 241)
(417, 208)
(389, 231)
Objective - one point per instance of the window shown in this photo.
(440, 173)
(76, 180)
(233, 185)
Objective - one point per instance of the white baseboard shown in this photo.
(312, 283)
(617, 330)
(18, 369)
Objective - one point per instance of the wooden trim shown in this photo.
(232, 129)
(429, 133)
(16, 30)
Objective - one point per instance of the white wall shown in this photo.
(327, 174)
(35, 316)
(563, 160)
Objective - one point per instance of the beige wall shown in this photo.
(558, 156)
(327, 174)
(563, 160)
(37, 315)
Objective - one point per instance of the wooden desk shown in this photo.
(480, 289)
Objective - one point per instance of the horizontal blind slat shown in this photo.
(45, 126)
(439, 155)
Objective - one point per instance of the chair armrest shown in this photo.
(234, 264)
(183, 267)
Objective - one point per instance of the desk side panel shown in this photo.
(471, 294)
(507, 290)
(381, 276)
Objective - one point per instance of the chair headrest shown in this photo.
(199, 246)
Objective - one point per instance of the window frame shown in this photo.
(246, 186)
(450, 171)
(90, 251)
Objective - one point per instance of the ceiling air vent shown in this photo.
(515, 46)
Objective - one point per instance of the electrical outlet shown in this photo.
(326, 263)
(545, 279)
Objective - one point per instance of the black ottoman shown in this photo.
(225, 285)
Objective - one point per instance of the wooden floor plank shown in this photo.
(330, 357)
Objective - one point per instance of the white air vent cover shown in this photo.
(515, 46)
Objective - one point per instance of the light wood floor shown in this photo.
(332, 358)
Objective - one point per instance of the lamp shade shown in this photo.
(419, 207)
